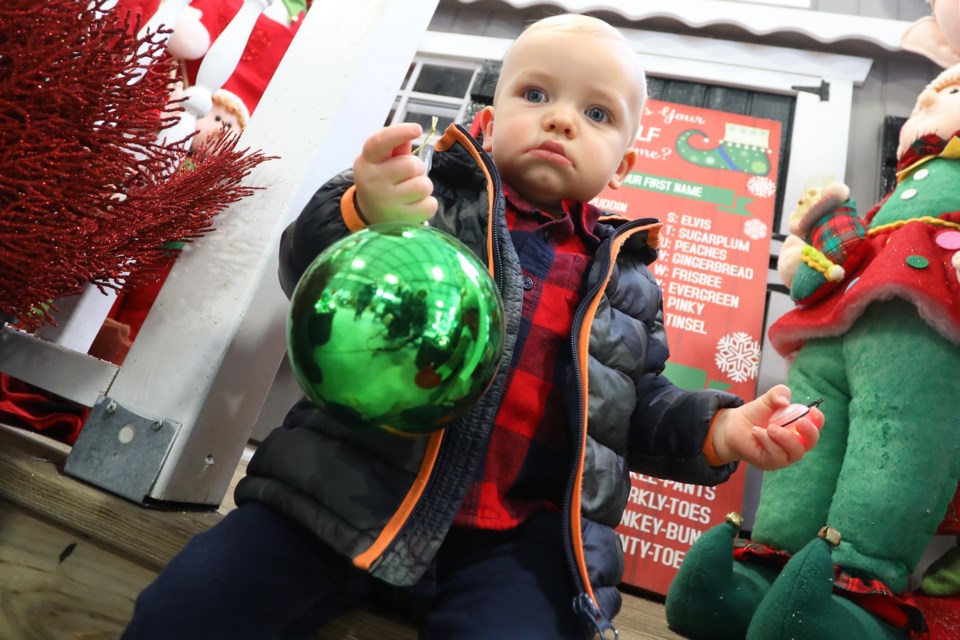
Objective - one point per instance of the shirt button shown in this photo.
(920, 175)
(909, 193)
(546, 236)
(527, 283)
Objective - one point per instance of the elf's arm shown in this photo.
(830, 243)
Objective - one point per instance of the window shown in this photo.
(434, 87)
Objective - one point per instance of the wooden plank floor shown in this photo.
(74, 558)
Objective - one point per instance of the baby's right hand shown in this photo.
(392, 184)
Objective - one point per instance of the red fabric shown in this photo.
(935, 290)
(928, 145)
(750, 551)
(951, 519)
(899, 611)
(942, 616)
(528, 457)
(25, 406)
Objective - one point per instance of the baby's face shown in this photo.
(565, 116)
(939, 113)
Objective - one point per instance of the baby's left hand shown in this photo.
(745, 433)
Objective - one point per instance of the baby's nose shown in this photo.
(561, 119)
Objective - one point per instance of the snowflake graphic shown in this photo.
(755, 229)
(761, 187)
(738, 356)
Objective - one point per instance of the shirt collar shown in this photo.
(926, 148)
(583, 216)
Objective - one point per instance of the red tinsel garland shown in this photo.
(87, 193)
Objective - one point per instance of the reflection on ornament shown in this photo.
(397, 327)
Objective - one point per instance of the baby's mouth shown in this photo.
(552, 152)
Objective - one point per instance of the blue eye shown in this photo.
(534, 95)
(597, 114)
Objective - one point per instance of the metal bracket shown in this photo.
(120, 450)
(823, 91)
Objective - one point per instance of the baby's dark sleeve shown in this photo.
(668, 430)
(319, 225)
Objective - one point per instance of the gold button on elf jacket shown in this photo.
(829, 534)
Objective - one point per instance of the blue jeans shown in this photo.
(259, 575)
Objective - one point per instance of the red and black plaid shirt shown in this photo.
(528, 458)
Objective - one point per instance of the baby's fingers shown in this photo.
(808, 431)
(787, 444)
(390, 141)
(415, 212)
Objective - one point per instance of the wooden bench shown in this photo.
(73, 558)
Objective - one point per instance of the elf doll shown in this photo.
(876, 336)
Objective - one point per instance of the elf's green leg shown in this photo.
(713, 597)
(903, 456)
(795, 501)
(801, 604)
(896, 481)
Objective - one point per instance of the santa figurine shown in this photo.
(202, 22)
(228, 117)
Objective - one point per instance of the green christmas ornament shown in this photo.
(397, 326)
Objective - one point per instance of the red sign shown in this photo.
(711, 177)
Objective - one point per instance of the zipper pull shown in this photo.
(591, 615)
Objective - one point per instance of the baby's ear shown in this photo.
(623, 170)
(486, 126)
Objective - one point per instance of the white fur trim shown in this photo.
(787, 342)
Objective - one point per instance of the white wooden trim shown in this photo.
(798, 4)
(55, 368)
(662, 51)
(821, 135)
(440, 44)
(756, 19)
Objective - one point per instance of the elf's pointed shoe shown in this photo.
(713, 597)
(815, 277)
(801, 604)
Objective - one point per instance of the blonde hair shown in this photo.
(947, 77)
(233, 105)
